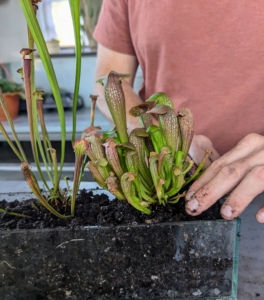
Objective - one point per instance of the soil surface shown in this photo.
(96, 210)
(108, 262)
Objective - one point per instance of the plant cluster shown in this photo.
(8, 86)
(43, 152)
(150, 165)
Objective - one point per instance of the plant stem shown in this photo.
(34, 97)
(45, 58)
(80, 147)
(10, 143)
(94, 99)
(13, 214)
(32, 183)
(46, 140)
(55, 170)
(199, 169)
(27, 85)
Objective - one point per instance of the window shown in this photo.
(55, 21)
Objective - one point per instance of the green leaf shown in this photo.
(75, 13)
(161, 99)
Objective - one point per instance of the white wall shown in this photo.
(65, 71)
(13, 37)
(13, 31)
(64, 68)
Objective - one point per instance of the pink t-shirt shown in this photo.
(206, 55)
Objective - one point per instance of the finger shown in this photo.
(251, 186)
(205, 144)
(260, 215)
(248, 146)
(197, 154)
(198, 147)
(223, 182)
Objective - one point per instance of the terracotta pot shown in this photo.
(12, 104)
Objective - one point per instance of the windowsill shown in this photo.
(70, 52)
(53, 124)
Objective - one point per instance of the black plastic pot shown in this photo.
(181, 260)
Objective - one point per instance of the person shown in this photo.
(207, 56)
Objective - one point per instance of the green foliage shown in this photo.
(8, 86)
(150, 164)
(41, 145)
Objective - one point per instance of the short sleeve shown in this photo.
(112, 29)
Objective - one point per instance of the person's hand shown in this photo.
(241, 170)
(200, 144)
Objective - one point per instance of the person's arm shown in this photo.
(107, 61)
(241, 170)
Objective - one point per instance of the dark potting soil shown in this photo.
(113, 262)
(96, 210)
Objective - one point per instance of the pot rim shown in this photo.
(11, 93)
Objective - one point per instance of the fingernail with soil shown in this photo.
(227, 211)
(189, 195)
(260, 217)
(192, 205)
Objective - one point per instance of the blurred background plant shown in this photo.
(12, 93)
(8, 86)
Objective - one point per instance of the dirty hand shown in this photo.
(241, 170)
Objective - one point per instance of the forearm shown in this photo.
(107, 61)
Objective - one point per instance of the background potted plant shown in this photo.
(12, 92)
(81, 259)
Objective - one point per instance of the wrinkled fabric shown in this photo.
(206, 55)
